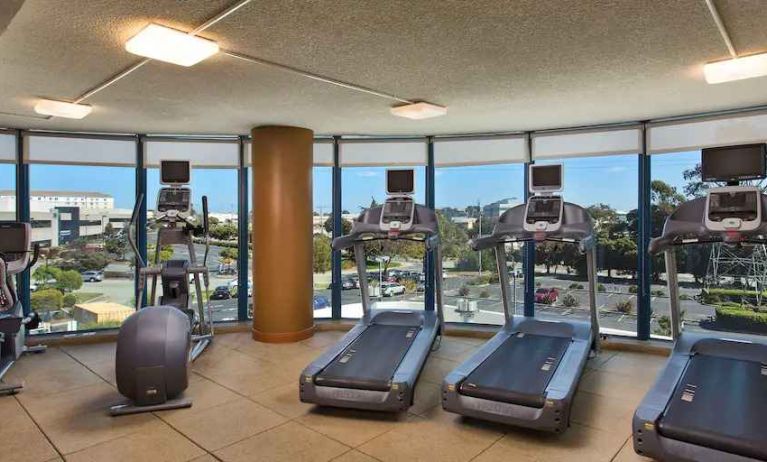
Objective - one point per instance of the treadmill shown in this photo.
(526, 375)
(375, 366)
(710, 401)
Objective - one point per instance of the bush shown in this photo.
(633, 289)
(658, 293)
(69, 300)
(664, 326)
(463, 291)
(601, 288)
(69, 280)
(741, 319)
(570, 301)
(684, 297)
(410, 285)
(575, 285)
(484, 294)
(47, 300)
(715, 295)
(624, 306)
(537, 284)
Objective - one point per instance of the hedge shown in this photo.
(729, 295)
(741, 319)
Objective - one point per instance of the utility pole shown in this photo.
(479, 213)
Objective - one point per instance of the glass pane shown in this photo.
(220, 185)
(469, 201)
(363, 187)
(84, 277)
(7, 192)
(607, 187)
(721, 287)
(322, 183)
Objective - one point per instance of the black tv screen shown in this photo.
(734, 163)
(400, 181)
(175, 172)
(546, 176)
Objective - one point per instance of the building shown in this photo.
(44, 201)
(467, 222)
(101, 312)
(495, 209)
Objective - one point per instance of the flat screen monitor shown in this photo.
(175, 172)
(734, 163)
(400, 181)
(14, 237)
(545, 178)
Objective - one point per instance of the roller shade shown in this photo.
(356, 153)
(323, 153)
(79, 151)
(477, 151)
(7, 148)
(587, 143)
(693, 135)
(202, 154)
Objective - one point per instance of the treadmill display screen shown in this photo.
(13, 239)
(400, 181)
(174, 199)
(175, 172)
(545, 177)
(734, 163)
(741, 204)
(397, 210)
(544, 208)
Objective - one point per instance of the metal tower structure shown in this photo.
(746, 265)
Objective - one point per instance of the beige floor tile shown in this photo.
(436, 369)
(283, 399)
(600, 359)
(614, 385)
(244, 374)
(427, 396)
(20, 437)
(349, 426)
(91, 353)
(453, 350)
(634, 364)
(289, 442)
(627, 454)
(276, 352)
(322, 340)
(204, 394)
(105, 370)
(96, 398)
(156, 442)
(440, 436)
(50, 372)
(233, 339)
(354, 456)
(577, 443)
(74, 432)
(220, 426)
(603, 412)
(205, 458)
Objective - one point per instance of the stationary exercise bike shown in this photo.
(15, 239)
(157, 343)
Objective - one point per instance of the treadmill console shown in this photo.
(177, 200)
(15, 240)
(543, 214)
(733, 208)
(397, 215)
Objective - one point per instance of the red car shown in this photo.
(547, 296)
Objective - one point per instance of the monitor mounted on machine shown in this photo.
(400, 182)
(545, 179)
(175, 172)
(732, 208)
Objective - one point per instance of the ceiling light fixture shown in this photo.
(54, 108)
(419, 110)
(170, 45)
(746, 67)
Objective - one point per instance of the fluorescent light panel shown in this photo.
(170, 45)
(418, 111)
(746, 67)
(62, 109)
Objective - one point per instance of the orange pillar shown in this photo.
(282, 234)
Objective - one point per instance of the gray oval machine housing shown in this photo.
(527, 374)
(376, 365)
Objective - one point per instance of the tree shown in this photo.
(223, 232)
(43, 274)
(69, 281)
(453, 237)
(346, 226)
(46, 300)
(166, 253)
(322, 254)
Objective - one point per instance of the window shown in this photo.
(607, 187)
(364, 187)
(84, 277)
(7, 177)
(469, 201)
(322, 183)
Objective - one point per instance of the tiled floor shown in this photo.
(246, 408)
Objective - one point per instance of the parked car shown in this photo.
(420, 287)
(546, 295)
(221, 293)
(350, 284)
(92, 276)
(233, 286)
(389, 289)
(319, 302)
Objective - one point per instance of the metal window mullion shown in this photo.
(644, 231)
(335, 297)
(528, 259)
(141, 231)
(242, 232)
(23, 214)
(429, 263)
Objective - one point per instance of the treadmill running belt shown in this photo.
(370, 361)
(518, 371)
(720, 403)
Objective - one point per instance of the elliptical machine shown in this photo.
(15, 239)
(156, 343)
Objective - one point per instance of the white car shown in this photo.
(392, 289)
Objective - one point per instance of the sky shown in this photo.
(610, 179)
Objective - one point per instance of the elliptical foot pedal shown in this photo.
(10, 388)
(130, 408)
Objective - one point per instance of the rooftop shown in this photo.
(45, 193)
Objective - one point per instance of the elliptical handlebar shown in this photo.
(35, 256)
(133, 230)
(206, 235)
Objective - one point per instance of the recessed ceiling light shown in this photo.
(417, 111)
(62, 109)
(170, 45)
(736, 69)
